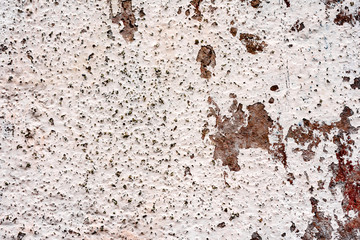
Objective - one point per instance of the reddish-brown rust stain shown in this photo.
(347, 174)
(298, 26)
(320, 226)
(255, 3)
(198, 15)
(287, 2)
(356, 84)
(232, 133)
(349, 230)
(127, 17)
(206, 56)
(252, 43)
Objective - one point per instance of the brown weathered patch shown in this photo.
(233, 31)
(298, 26)
(127, 17)
(331, 3)
(348, 231)
(320, 226)
(356, 84)
(345, 173)
(252, 43)
(232, 133)
(310, 133)
(206, 56)
(343, 17)
(198, 15)
(255, 3)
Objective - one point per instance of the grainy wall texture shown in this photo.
(179, 119)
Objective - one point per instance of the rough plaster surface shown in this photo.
(179, 119)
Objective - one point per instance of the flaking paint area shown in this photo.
(105, 133)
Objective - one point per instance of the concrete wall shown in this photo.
(169, 119)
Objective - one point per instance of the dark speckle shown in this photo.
(221, 225)
(356, 84)
(274, 88)
(287, 2)
(255, 3)
(298, 26)
(255, 236)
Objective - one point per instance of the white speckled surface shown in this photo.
(101, 138)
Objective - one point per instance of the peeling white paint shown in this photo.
(97, 132)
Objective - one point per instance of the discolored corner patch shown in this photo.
(347, 175)
(233, 133)
(206, 56)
